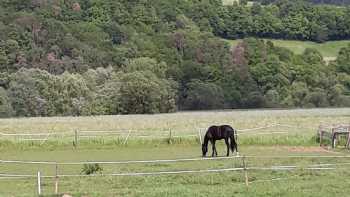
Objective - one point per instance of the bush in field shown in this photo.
(91, 169)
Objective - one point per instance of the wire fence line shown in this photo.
(174, 160)
(118, 162)
(245, 169)
(126, 131)
(272, 168)
(130, 133)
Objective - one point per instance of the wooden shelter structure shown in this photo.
(333, 133)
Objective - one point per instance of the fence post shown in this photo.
(39, 184)
(320, 132)
(75, 143)
(334, 138)
(56, 180)
(348, 141)
(236, 135)
(127, 137)
(170, 136)
(245, 172)
(200, 135)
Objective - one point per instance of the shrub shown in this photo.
(91, 169)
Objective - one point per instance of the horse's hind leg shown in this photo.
(213, 148)
(228, 147)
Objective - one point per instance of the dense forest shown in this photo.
(94, 57)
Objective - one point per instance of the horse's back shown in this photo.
(228, 127)
(220, 132)
(222, 127)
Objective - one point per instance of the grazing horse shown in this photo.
(218, 133)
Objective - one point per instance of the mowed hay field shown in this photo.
(230, 2)
(284, 149)
(329, 50)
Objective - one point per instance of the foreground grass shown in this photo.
(299, 184)
(292, 183)
(329, 50)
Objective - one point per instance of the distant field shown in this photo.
(181, 122)
(329, 49)
(230, 2)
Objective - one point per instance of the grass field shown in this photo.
(182, 122)
(329, 50)
(300, 141)
(292, 183)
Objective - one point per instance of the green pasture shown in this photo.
(298, 139)
(263, 182)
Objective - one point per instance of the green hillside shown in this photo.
(85, 57)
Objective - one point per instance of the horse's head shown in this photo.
(204, 149)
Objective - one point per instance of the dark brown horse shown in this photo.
(214, 133)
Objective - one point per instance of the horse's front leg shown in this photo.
(214, 153)
(227, 146)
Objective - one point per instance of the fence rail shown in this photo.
(244, 169)
(127, 134)
(172, 160)
(273, 168)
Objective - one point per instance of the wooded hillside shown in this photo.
(78, 57)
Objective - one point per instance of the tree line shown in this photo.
(283, 19)
(76, 57)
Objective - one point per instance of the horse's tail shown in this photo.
(233, 143)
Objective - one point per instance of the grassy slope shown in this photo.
(329, 50)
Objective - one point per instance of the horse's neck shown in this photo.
(206, 140)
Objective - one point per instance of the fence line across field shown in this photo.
(123, 132)
(118, 162)
(173, 160)
(36, 134)
(244, 169)
(273, 168)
